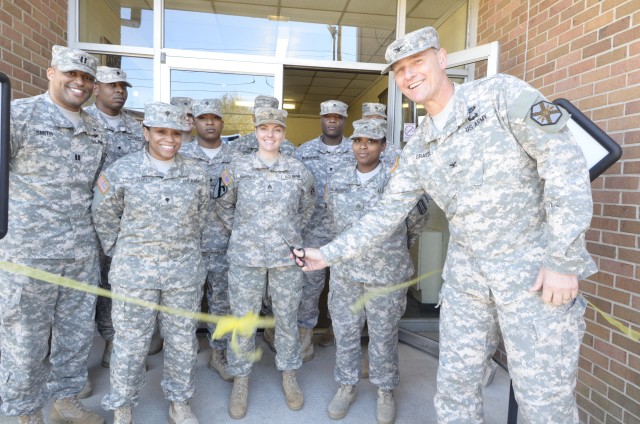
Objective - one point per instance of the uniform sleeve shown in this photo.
(400, 196)
(106, 209)
(225, 205)
(416, 220)
(328, 200)
(308, 199)
(204, 203)
(540, 128)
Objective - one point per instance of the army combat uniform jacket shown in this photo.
(263, 204)
(127, 138)
(53, 168)
(513, 183)
(152, 224)
(348, 201)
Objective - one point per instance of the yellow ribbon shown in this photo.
(245, 325)
(629, 332)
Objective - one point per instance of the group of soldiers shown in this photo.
(179, 216)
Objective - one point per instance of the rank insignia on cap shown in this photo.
(545, 113)
(103, 185)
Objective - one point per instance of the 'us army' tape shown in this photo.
(244, 326)
(358, 305)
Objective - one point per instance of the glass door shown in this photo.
(235, 84)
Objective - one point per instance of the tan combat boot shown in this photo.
(36, 418)
(239, 397)
(292, 391)
(306, 343)
(71, 411)
(123, 415)
(181, 413)
(269, 335)
(341, 401)
(106, 355)
(218, 363)
(86, 391)
(385, 407)
(327, 338)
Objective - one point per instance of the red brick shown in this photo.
(614, 28)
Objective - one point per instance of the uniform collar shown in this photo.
(148, 170)
(344, 146)
(59, 120)
(278, 166)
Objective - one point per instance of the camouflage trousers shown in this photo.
(542, 343)
(134, 327)
(382, 315)
(217, 292)
(246, 290)
(31, 311)
(312, 286)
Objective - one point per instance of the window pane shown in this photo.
(449, 19)
(126, 22)
(340, 30)
(139, 74)
(236, 91)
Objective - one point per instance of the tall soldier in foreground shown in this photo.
(497, 157)
(56, 152)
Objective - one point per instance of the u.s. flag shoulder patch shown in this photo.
(103, 185)
(226, 178)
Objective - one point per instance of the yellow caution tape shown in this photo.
(245, 326)
(359, 304)
(627, 331)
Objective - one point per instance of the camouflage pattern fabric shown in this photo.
(386, 264)
(517, 197)
(52, 169)
(248, 144)
(134, 329)
(127, 138)
(151, 223)
(215, 237)
(263, 204)
(246, 289)
(31, 311)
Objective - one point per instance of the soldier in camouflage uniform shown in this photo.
(322, 156)
(269, 196)
(149, 209)
(350, 193)
(56, 152)
(124, 136)
(248, 144)
(499, 160)
(186, 104)
(213, 156)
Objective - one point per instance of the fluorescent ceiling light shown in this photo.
(289, 106)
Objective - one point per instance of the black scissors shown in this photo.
(291, 248)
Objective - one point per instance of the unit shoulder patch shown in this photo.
(545, 113)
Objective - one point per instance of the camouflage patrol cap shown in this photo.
(333, 106)
(204, 106)
(164, 115)
(410, 44)
(375, 129)
(66, 59)
(373, 109)
(268, 115)
(108, 75)
(183, 102)
(266, 101)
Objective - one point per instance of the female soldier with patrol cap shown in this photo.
(148, 209)
(270, 196)
(350, 193)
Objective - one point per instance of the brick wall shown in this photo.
(589, 52)
(28, 30)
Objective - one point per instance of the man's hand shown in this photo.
(556, 288)
(313, 259)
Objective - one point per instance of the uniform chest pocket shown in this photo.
(177, 199)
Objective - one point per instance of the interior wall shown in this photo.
(300, 130)
(102, 24)
(450, 34)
